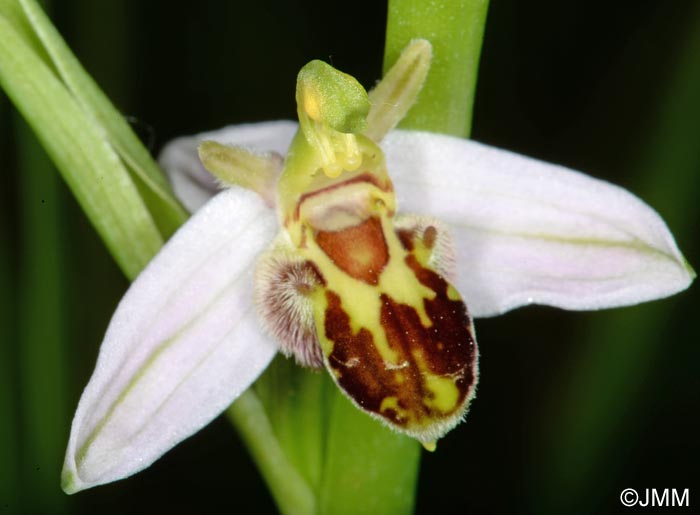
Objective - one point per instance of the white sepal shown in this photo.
(182, 345)
(193, 185)
(528, 232)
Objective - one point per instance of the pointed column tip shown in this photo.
(429, 446)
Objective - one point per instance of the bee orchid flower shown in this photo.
(360, 253)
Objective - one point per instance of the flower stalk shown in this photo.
(456, 31)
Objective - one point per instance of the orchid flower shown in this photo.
(324, 257)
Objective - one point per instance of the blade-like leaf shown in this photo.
(88, 163)
(12, 11)
(112, 125)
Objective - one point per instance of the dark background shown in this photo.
(572, 407)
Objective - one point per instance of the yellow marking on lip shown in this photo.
(445, 393)
(361, 301)
(423, 390)
(452, 293)
(392, 403)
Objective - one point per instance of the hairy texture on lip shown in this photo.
(283, 285)
(433, 236)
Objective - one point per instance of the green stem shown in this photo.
(290, 490)
(368, 468)
(294, 399)
(456, 29)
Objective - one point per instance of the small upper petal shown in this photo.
(182, 345)
(194, 185)
(532, 232)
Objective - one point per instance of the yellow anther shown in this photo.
(311, 106)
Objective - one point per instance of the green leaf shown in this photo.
(89, 164)
(167, 212)
(12, 11)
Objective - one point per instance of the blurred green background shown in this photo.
(572, 407)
